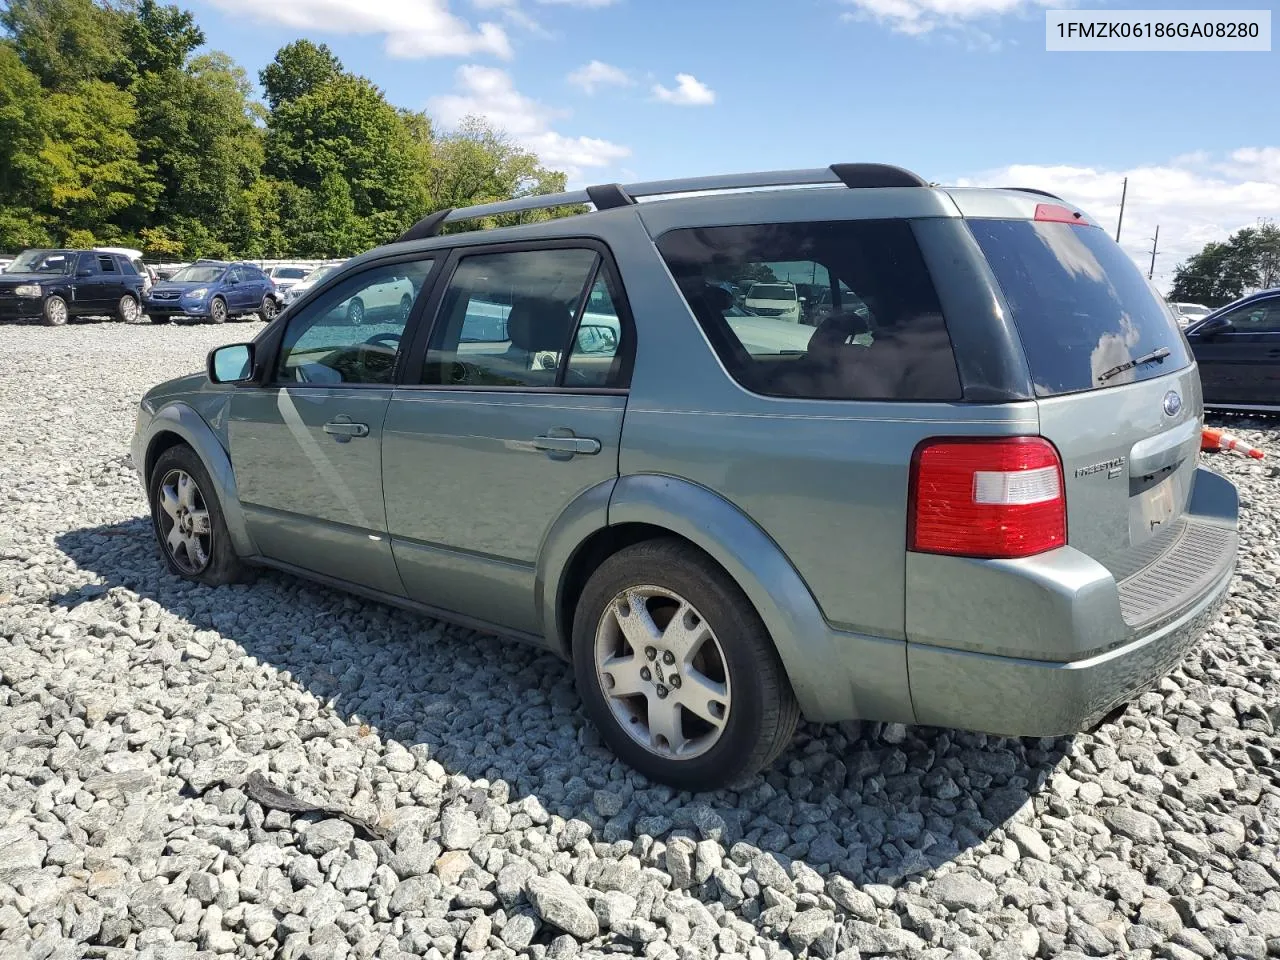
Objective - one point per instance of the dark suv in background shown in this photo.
(214, 290)
(56, 285)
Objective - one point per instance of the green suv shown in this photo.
(969, 496)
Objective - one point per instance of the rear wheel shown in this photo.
(55, 313)
(217, 310)
(269, 309)
(188, 520)
(128, 309)
(677, 670)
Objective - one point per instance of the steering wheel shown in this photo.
(380, 338)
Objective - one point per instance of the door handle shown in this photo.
(569, 445)
(342, 429)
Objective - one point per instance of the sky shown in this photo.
(960, 91)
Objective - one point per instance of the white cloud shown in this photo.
(411, 28)
(513, 13)
(917, 17)
(596, 74)
(490, 93)
(689, 92)
(580, 3)
(1194, 198)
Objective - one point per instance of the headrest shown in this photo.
(538, 325)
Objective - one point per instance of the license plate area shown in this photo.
(1155, 502)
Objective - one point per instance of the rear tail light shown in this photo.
(1057, 213)
(988, 498)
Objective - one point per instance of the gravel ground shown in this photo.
(134, 709)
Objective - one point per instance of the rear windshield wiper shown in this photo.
(1155, 356)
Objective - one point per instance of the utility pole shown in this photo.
(1124, 190)
(1155, 245)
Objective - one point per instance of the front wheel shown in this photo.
(269, 309)
(56, 313)
(217, 310)
(128, 309)
(355, 312)
(188, 522)
(677, 670)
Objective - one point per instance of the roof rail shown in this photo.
(612, 195)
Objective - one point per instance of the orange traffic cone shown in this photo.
(1211, 439)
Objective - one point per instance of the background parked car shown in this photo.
(293, 292)
(213, 290)
(286, 275)
(56, 285)
(778, 300)
(1238, 350)
(1189, 313)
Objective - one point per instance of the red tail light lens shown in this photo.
(997, 498)
(1057, 213)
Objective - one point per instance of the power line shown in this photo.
(1124, 192)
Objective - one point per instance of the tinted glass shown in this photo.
(88, 264)
(506, 318)
(332, 341)
(1081, 306)
(880, 335)
(107, 264)
(1258, 317)
(290, 273)
(129, 267)
(595, 360)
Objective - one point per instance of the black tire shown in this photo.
(55, 312)
(269, 310)
(223, 566)
(129, 310)
(217, 310)
(763, 714)
(355, 312)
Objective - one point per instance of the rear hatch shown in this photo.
(1117, 392)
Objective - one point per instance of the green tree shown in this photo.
(157, 38)
(344, 130)
(1222, 272)
(65, 42)
(24, 180)
(297, 69)
(97, 183)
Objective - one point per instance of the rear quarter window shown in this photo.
(869, 328)
(1080, 305)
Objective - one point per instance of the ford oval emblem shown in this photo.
(1172, 403)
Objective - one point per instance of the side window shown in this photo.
(507, 318)
(352, 333)
(594, 360)
(127, 267)
(88, 265)
(1261, 317)
(843, 310)
(107, 264)
(235, 275)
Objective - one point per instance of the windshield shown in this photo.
(41, 261)
(1193, 311)
(771, 291)
(318, 274)
(1080, 305)
(289, 273)
(198, 273)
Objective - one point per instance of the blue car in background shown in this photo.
(213, 290)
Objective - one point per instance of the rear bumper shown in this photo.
(1049, 645)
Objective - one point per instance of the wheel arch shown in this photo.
(177, 423)
(647, 506)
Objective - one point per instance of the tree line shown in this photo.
(1222, 272)
(118, 126)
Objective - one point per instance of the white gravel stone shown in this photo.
(133, 706)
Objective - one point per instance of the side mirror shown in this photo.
(1213, 327)
(231, 364)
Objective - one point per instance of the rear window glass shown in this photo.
(876, 332)
(1081, 306)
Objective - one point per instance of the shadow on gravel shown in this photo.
(877, 804)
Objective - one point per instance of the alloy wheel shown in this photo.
(217, 311)
(663, 672)
(184, 522)
(56, 311)
(129, 310)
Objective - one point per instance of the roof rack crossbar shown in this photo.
(612, 195)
